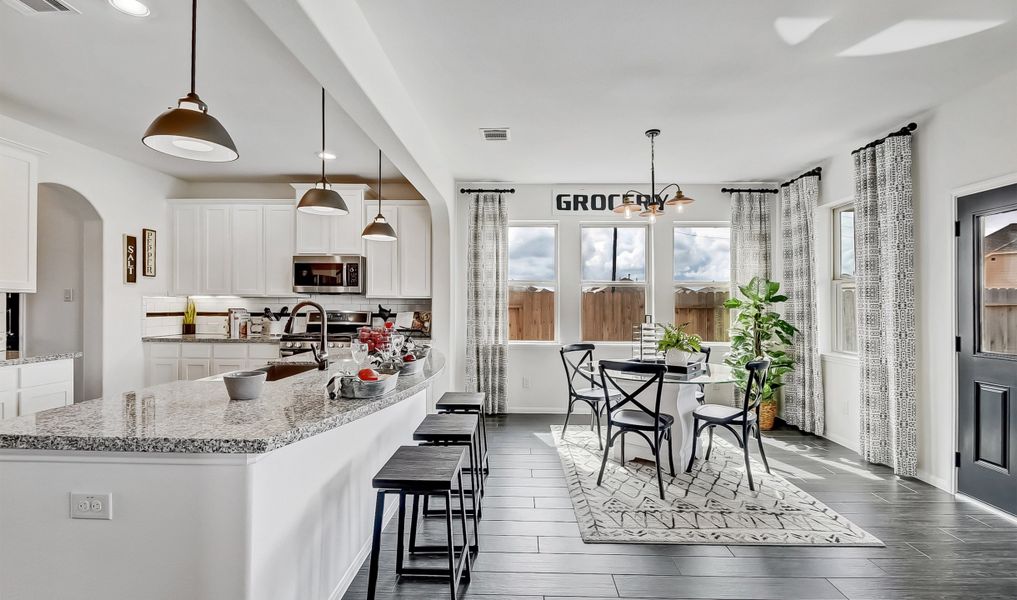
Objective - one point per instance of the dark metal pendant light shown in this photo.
(379, 230)
(188, 131)
(322, 199)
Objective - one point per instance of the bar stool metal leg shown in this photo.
(372, 577)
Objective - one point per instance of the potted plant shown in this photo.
(677, 344)
(190, 312)
(759, 331)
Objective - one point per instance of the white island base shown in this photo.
(293, 523)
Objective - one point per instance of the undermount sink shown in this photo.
(282, 371)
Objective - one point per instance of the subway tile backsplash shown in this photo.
(212, 309)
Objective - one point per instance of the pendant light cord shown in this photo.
(653, 172)
(379, 182)
(194, 38)
(323, 134)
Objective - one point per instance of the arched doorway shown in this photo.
(65, 313)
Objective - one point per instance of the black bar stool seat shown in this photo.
(415, 470)
(470, 403)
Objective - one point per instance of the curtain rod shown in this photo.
(906, 130)
(760, 190)
(817, 172)
(494, 190)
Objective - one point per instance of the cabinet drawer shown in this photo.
(266, 351)
(8, 405)
(238, 350)
(43, 398)
(8, 378)
(57, 371)
(163, 350)
(198, 350)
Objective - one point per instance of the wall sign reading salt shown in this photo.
(592, 200)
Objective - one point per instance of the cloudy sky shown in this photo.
(702, 254)
(847, 242)
(531, 253)
(597, 242)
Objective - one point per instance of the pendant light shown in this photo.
(657, 199)
(628, 206)
(188, 131)
(322, 199)
(379, 230)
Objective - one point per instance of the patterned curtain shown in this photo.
(885, 280)
(750, 238)
(487, 299)
(803, 387)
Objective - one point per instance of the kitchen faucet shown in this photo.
(320, 351)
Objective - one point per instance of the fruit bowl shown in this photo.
(412, 367)
(351, 386)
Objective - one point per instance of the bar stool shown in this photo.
(416, 470)
(470, 403)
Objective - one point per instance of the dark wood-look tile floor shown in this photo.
(936, 547)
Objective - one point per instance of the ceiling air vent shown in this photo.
(497, 134)
(37, 7)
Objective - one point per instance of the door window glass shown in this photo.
(999, 283)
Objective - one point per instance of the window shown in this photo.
(702, 270)
(844, 328)
(613, 282)
(533, 279)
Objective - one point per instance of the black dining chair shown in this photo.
(592, 395)
(745, 418)
(638, 418)
(701, 391)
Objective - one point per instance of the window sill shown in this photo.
(549, 343)
(842, 358)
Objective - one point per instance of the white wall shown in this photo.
(128, 198)
(970, 139)
(540, 362)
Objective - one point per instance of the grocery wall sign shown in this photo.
(599, 200)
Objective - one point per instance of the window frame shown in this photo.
(554, 284)
(646, 284)
(840, 283)
(675, 284)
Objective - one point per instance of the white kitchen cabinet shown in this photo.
(8, 405)
(19, 222)
(35, 387)
(278, 228)
(196, 360)
(401, 269)
(225, 365)
(322, 234)
(44, 397)
(186, 236)
(195, 368)
(247, 224)
(216, 249)
(163, 370)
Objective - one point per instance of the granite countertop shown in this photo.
(211, 338)
(198, 417)
(28, 360)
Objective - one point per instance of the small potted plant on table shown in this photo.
(677, 344)
(759, 331)
(190, 312)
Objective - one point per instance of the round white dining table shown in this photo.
(677, 398)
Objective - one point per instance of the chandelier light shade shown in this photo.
(679, 199)
(188, 131)
(322, 199)
(655, 207)
(628, 207)
(379, 230)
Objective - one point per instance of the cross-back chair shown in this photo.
(587, 390)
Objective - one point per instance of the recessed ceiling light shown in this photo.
(130, 7)
(324, 155)
(918, 33)
(795, 30)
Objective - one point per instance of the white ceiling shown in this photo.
(100, 77)
(578, 81)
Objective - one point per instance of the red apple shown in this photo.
(409, 358)
(368, 375)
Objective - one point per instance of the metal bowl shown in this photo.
(354, 387)
(244, 385)
(414, 366)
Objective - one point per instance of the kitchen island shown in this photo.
(211, 498)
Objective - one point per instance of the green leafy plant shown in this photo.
(676, 338)
(759, 331)
(190, 312)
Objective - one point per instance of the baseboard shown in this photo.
(358, 561)
(934, 481)
(539, 410)
(843, 441)
(988, 507)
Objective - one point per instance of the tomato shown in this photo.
(368, 375)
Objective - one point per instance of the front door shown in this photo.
(987, 346)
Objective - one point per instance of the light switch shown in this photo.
(68, 294)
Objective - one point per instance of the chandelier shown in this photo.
(651, 205)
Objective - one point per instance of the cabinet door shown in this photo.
(163, 370)
(215, 250)
(45, 397)
(186, 270)
(347, 229)
(383, 259)
(414, 251)
(247, 224)
(225, 365)
(18, 207)
(192, 368)
(314, 233)
(279, 250)
(8, 405)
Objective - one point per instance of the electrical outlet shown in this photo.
(526, 383)
(92, 506)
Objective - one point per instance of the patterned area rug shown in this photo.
(710, 505)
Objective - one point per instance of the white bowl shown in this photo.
(244, 385)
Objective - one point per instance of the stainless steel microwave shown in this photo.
(328, 274)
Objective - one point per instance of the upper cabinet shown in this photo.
(18, 219)
(400, 269)
(279, 223)
(319, 234)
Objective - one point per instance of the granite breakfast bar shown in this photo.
(211, 498)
